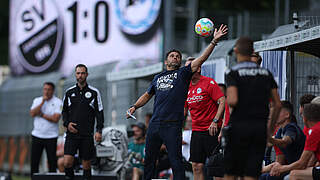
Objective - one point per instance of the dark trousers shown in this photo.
(171, 136)
(267, 176)
(37, 146)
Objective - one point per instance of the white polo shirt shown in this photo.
(43, 128)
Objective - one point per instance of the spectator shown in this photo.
(186, 138)
(147, 118)
(46, 111)
(305, 99)
(137, 149)
(301, 169)
(289, 139)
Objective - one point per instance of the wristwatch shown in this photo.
(215, 120)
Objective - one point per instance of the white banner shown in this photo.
(214, 69)
(275, 61)
(47, 35)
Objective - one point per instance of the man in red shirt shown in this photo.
(305, 99)
(301, 168)
(206, 104)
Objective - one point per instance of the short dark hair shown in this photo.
(244, 46)
(81, 65)
(312, 112)
(306, 99)
(257, 55)
(49, 84)
(289, 107)
(174, 50)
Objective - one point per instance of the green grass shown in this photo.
(15, 177)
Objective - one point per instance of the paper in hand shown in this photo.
(131, 116)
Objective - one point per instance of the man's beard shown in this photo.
(174, 65)
(81, 81)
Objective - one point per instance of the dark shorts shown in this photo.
(316, 173)
(202, 145)
(245, 149)
(85, 145)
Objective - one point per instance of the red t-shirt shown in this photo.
(305, 130)
(276, 149)
(227, 114)
(313, 140)
(202, 103)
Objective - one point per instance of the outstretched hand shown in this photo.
(223, 30)
(131, 110)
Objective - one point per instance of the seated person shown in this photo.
(305, 99)
(302, 168)
(289, 139)
(137, 149)
(186, 138)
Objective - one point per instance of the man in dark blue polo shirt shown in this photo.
(170, 88)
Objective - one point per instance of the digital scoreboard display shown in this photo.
(55, 35)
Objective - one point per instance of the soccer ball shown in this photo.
(204, 27)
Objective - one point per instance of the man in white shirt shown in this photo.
(186, 138)
(46, 111)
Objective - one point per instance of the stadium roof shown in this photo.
(94, 72)
(135, 73)
(29, 81)
(222, 50)
(307, 40)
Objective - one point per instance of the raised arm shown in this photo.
(204, 56)
(36, 111)
(140, 102)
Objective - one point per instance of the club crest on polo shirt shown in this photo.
(165, 82)
(310, 131)
(88, 95)
(211, 82)
(73, 94)
(199, 90)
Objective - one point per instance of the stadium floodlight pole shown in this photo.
(277, 13)
(286, 11)
(295, 20)
(192, 18)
